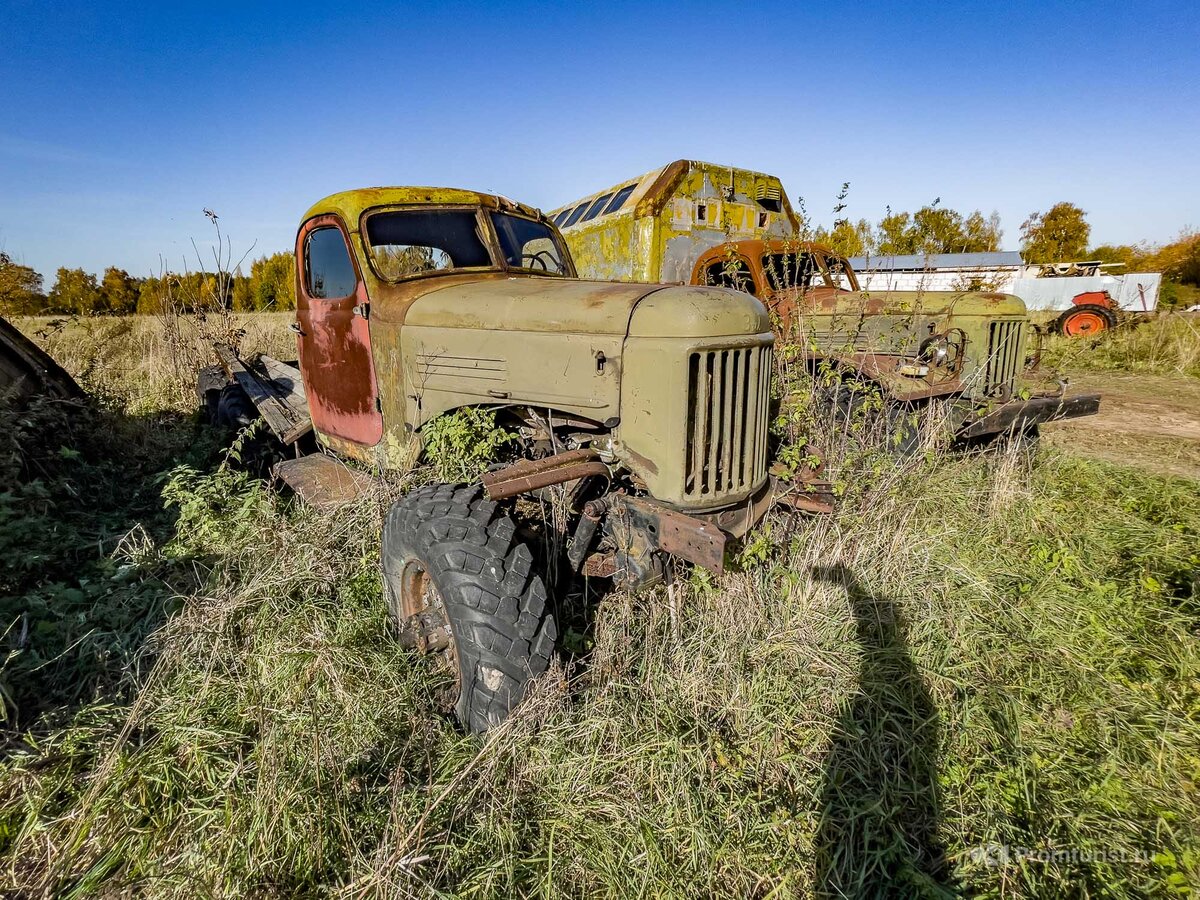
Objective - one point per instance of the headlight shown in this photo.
(945, 351)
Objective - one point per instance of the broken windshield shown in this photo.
(528, 244)
(787, 270)
(419, 241)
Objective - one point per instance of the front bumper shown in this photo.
(643, 529)
(1018, 415)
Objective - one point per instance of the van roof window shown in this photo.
(619, 199)
(575, 214)
(595, 208)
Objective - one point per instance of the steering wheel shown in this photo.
(537, 258)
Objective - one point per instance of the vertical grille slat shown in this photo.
(1005, 346)
(726, 428)
(750, 460)
(712, 478)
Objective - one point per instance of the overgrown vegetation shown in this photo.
(1167, 344)
(980, 678)
(460, 445)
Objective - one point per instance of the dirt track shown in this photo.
(1150, 421)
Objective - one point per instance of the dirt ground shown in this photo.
(1149, 421)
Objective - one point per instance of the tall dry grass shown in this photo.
(975, 661)
(149, 363)
(1168, 344)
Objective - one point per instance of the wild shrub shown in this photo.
(461, 444)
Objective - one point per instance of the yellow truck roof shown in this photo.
(351, 204)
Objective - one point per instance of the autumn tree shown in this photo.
(982, 235)
(1058, 235)
(937, 229)
(847, 238)
(271, 285)
(119, 291)
(20, 288)
(76, 291)
(895, 235)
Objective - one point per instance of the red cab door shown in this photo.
(334, 341)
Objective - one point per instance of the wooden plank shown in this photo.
(274, 412)
(288, 385)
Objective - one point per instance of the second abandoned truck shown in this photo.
(961, 353)
(648, 402)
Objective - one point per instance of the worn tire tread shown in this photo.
(496, 602)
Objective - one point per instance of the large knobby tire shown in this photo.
(1086, 320)
(460, 582)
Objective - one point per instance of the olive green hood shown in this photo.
(569, 306)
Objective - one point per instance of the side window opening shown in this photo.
(328, 270)
(561, 217)
(619, 198)
(730, 273)
(595, 208)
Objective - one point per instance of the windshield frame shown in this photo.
(560, 245)
(484, 230)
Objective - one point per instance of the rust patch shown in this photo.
(531, 474)
(334, 347)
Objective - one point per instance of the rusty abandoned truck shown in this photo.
(713, 225)
(648, 402)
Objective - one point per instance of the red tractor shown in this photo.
(1091, 313)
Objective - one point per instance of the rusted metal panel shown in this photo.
(684, 536)
(334, 346)
(532, 474)
(322, 481)
(27, 371)
(1020, 414)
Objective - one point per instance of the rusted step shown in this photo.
(322, 481)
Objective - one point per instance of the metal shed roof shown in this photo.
(921, 262)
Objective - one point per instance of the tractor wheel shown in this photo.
(460, 583)
(1086, 320)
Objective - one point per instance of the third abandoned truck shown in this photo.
(648, 403)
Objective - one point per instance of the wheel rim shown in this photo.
(1084, 323)
(424, 624)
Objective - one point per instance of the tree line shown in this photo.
(269, 286)
(1060, 234)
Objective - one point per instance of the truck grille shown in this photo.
(728, 396)
(1006, 347)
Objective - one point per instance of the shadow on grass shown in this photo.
(878, 831)
(83, 580)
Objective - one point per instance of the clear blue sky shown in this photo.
(122, 122)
